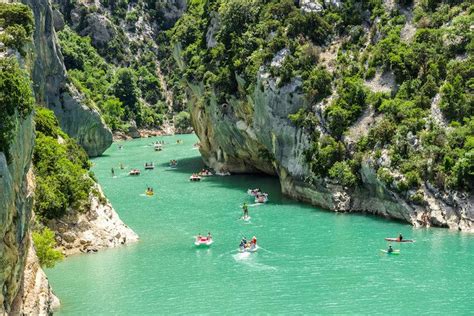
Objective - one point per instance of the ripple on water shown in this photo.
(309, 261)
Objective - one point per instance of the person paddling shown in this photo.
(245, 209)
(390, 249)
(113, 172)
(400, 237)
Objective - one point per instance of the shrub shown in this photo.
(17, 21)
(341, 171)
(385, 175)
(44, 244)
(60, 168)
(16, 97)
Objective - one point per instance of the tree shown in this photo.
(44, 244)
(182, 120)
(341, 171)
(125, 88)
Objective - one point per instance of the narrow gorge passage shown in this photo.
(310, 260)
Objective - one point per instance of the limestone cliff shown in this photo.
(100, 227)
(52, 89)
(272, 124)
(16, 202)
(268, 142)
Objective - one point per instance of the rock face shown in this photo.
(98, 228)
(16, 200)
(256, 135)
(53, 91)
(36, 296)
(19, 269)
(171, 11)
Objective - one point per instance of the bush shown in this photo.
(17, 21)
(323, 154)
(61, 170)
(44, 244)
(341, 171)
(347, 107)
(16, 97)
(385, 176)
(318, 84)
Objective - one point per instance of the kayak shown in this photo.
(395, 252)
(251, 249)
(203, 242)
(149, 193)
(397, 240)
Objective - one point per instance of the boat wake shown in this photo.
(248, 259)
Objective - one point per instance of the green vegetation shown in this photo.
(182, 120)
(435, 60)
(61, 169)
(17, 22)
(16, 98)
(121, 94)
(44, 244)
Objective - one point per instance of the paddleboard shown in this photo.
(395, 252)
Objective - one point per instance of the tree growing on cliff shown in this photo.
(44, 244)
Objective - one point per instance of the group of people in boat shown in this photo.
(149, 191)
(173, 163)
(245, 245)
(134, 172)
(205, 173)
(179, 141)
(195, 177)
(201, 238)
(260, 197)
(149, 165)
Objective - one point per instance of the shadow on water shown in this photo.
(186, 165)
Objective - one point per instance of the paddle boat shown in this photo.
(205, 173)
(203, 241)
(173, 163)
(158, 147)
(261, 198)
(253, 192)
(134, 172)
(149, 192)
(149, 166)
(195, 178)
(398, 240)
(248, 246)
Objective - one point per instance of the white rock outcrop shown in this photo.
(100, 227)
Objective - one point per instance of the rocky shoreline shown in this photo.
(100, 227)
(267, 142)
(35, 296)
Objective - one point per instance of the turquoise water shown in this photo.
(310, 261)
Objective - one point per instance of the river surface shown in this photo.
(310, 260)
